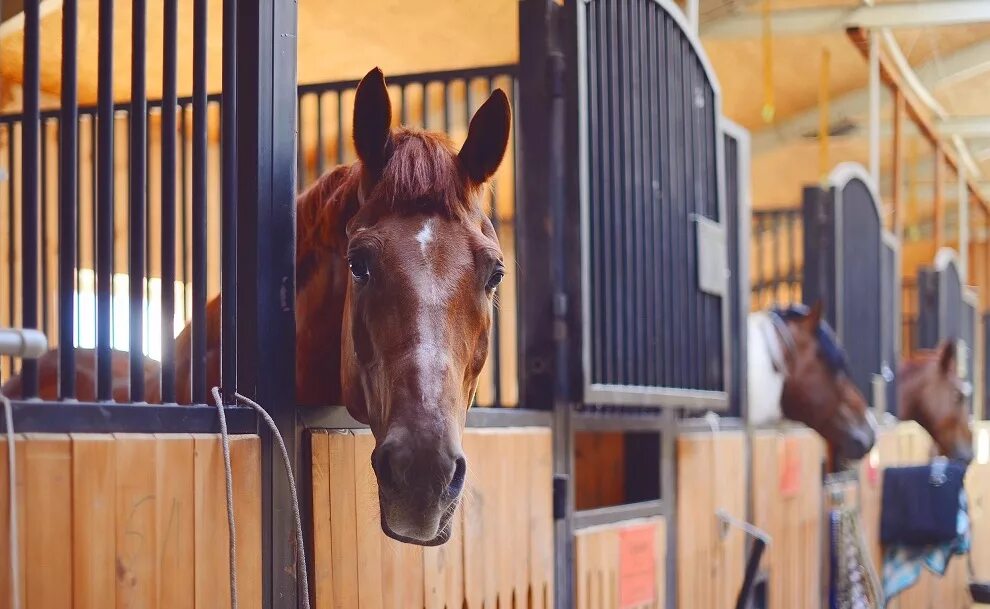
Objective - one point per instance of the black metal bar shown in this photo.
(45, 261)
(11, 241)
(340, 129)
(496, 226)
(184, 221)
(137, 132)
(416, 78)
(29, 189)
(56, 417)
(228, 274)
(266, 101)
(752, 567)
(68, 184)
(170, 59)
(199, 169)
(301, 178)
(104, 212)
(320, 156)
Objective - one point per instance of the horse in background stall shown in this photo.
(797, 370)
(396, 270)
(930, 392)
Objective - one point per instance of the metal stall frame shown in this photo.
(265, 89)
(630, 395)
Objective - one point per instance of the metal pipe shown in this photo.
(29, 190)
(199, 218)
(137, 157)
(228, 241)
(169, 91)
(104, 212)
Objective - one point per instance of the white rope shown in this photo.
(294, 495)
(15, 555)
(229, 479)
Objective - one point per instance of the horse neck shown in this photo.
(322, 213)
(909, 385)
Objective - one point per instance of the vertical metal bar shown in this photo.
(228, 275)
(29, 188)
(300, 153)
(446, 105)
(199, 168)
(320, 155)
(496, 226)
(104, 213)
(266, 88)
(777, 255)
(11, 240)
(138, 124)
(68, 184)
(184, 221)
(340, 128)
(403, 107)
(43, 227)
(169, 93)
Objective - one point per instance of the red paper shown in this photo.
(872, 471)
(790, 468)
(637, 566)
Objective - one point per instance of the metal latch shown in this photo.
(713, 270)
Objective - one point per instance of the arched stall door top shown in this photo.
(948, 310)
(851, 265)
(651, 184)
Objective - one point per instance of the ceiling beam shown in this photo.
(854, 104)
(965, 126)
(918, 112)
(805, 21)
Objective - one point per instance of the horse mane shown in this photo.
(832, 352)
(422, 176)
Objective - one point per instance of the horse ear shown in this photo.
(815, 314)
(947, 357)
(487, 138)
(372, 121)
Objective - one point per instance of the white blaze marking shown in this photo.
(425, 235)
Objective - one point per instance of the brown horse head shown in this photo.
(418, 262)
(931, 393)
(818, 390)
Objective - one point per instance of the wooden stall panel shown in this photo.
(711, 476)
(500, 553)
(787, 504)
(978, 489)
(621, 565)
(128, 520)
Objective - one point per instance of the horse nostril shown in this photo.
(381, 463)
(457, 481)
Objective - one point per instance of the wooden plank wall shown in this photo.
(909, 444)
(501, 551)
(711, 475)
(787, 504)
(597, 552)
(131, 520)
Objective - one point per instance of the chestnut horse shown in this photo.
(396, 270)
(931, 393)
(797, 371)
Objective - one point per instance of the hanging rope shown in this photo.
(769, 105)
(293, 494)
(15, 554)
(823, 115)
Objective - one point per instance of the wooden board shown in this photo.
(792, 519)
(711, 476)
(48, 531)
(94, 490)
(137, 521)
(176, 520)
(500, 553)
(598, 570)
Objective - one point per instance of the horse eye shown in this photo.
(495, 279)
(359, 269)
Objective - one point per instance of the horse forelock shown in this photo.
(423, 176)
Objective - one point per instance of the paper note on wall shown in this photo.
(637, 566)
(790, 467)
